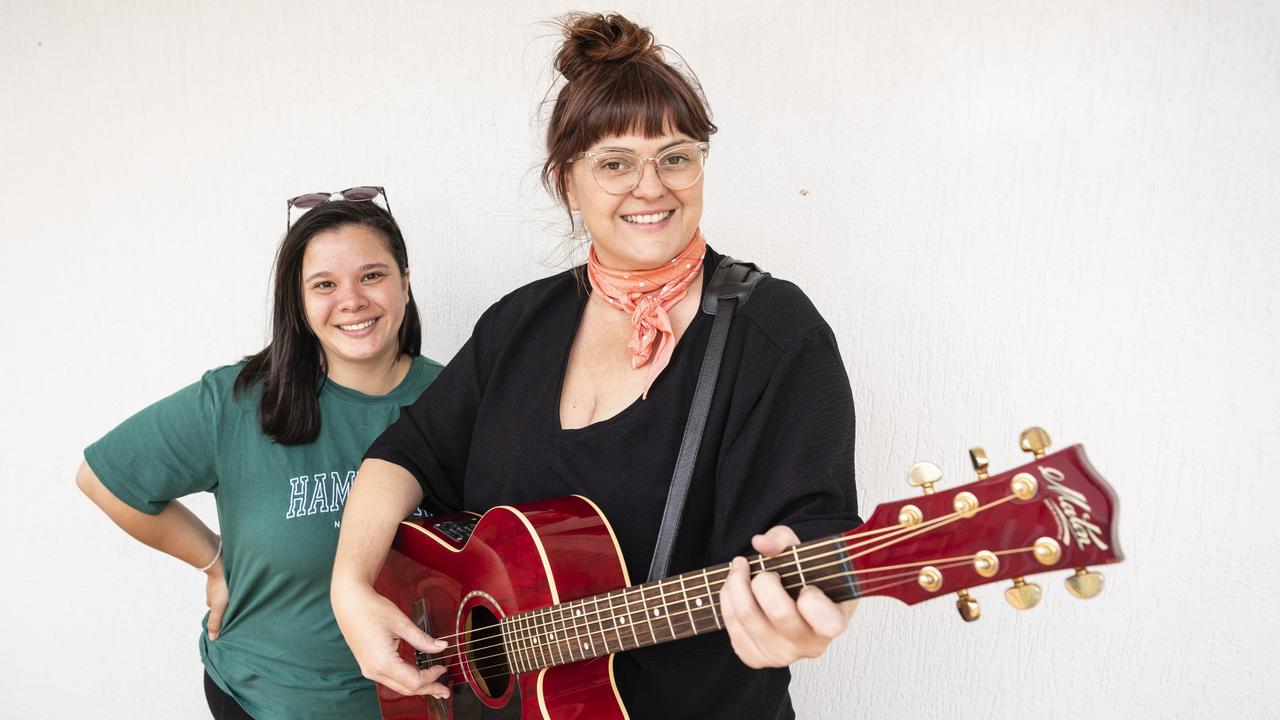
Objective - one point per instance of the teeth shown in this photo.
(648, 219)
(357, 326)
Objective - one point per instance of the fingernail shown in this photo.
(440, 645)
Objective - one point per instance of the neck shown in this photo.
(662, 611)
(372, 378)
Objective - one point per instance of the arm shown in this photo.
(381, 496)
(796, 451)
(175, 531)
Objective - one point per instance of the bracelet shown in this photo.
(216, 555)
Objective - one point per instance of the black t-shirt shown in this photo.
(778, 449)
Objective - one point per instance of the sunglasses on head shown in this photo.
(360, 193)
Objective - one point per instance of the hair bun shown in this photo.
(592, 40)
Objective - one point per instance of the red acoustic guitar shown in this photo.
(535, 599)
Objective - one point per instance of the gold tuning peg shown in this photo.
(978, 457)
(1085, 583)
(1035, 441)
(924, 475)
(1023, 595)
(967, 605)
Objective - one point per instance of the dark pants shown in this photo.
(221, 704)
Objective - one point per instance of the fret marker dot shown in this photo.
(551, 636)
(656, 612)
(622, 621)
(579, 611)
(698, 602)
(586, 646)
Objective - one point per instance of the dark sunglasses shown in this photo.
(356, 194)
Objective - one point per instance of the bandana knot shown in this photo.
(649, 296)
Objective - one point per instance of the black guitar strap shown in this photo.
(728, 289)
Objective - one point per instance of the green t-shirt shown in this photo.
(280, 654)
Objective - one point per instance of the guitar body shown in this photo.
(457, 575)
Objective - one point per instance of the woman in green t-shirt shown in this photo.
(277, 438)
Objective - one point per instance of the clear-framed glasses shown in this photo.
(618, 172)
(359, 193)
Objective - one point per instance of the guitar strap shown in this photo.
(728, 289)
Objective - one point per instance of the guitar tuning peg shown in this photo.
(1085, 583)
(1035, 441)
(924, 475)
(967, 605)
(1023, 595)
(978, 458)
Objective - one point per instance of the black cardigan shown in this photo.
(778, 449)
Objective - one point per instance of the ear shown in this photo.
(405, 279)
(571, 192)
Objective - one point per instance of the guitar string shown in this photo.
(898, 579)
(572, 627)
(782, 560)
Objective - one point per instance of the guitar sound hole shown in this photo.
(486, 655)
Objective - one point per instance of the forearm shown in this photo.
(174, 531)
(382, 495)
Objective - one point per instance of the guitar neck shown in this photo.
(661, 611)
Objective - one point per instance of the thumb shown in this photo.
(415, 636)
(215, 620)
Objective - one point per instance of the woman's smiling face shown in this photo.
(645, 227)
(354, 295)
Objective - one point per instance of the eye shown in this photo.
(373, 275)
(324, 285)
(615, 164)
(676, 160)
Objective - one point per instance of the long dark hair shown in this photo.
(292, 367)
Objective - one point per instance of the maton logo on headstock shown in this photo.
(1070, 508)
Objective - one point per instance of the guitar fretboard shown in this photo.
(661, 611)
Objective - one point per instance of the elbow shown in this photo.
(86, 480)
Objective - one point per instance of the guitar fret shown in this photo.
(587, 646)
(688, 607)
(568, 631)
(799, 568)
(604, 639)
(613, 615)
(547, 628)
(564, 635)
(629, 618)
(508, 643)
(710, 598)
(644, 604)
(518, 632)
(663, 607)
(534, 621)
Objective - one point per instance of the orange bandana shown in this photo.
(648, 295)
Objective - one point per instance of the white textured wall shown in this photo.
(1011, 213)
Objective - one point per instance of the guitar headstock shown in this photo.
(1053, 513)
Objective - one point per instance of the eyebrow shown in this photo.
(363, 268)
(668, 146)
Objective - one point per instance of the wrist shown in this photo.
(216, 562)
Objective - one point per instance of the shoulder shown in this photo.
(781, 313)
(559, 293)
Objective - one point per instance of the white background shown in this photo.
(1011, 213)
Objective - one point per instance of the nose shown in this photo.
(650, 185)
(351, 298)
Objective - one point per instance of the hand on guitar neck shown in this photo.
(767, 627)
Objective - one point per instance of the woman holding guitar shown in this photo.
(582, 382)
(277, 438)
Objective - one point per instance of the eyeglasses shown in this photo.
(356, 194)
(618, 172)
